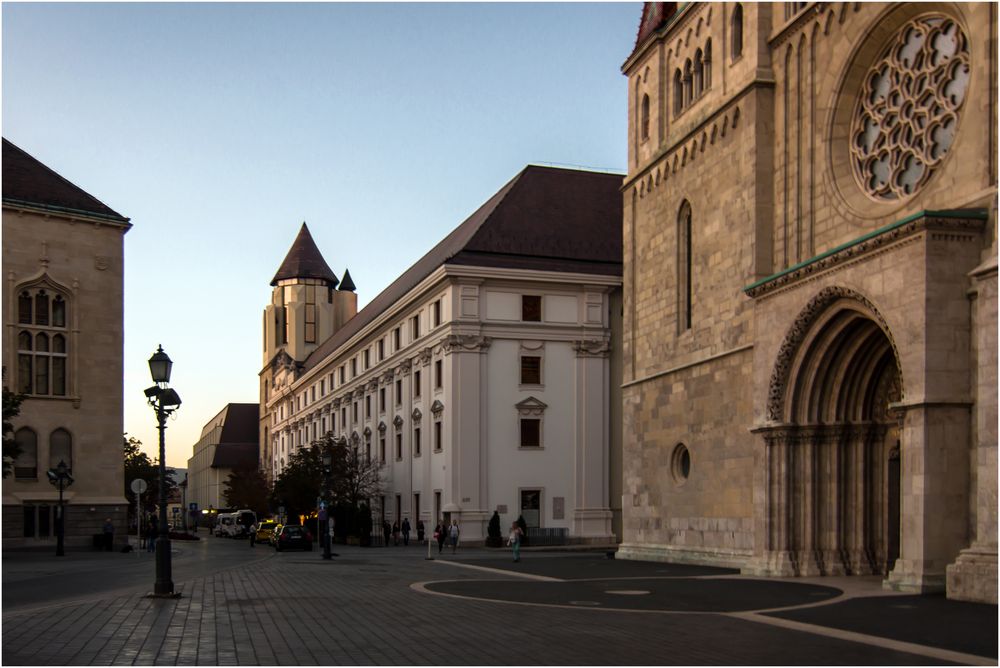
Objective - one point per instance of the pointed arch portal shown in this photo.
(832, 477)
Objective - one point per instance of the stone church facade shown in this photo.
(810, 306)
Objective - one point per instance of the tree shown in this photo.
(246, 488)
(139, 465)
(298, 485)
(11, 409)
(355, 477)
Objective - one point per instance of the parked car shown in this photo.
(292, 536)
(265, 531)
(224, 527)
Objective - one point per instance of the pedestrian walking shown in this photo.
(453, 535)
(514, 540)
(439, 536)
(395, 532)
(109, 535)
(406, 531)
(386, 531)
(420, 531)
(253, 534)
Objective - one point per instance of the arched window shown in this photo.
(684, 268)
(698, 74)
(645, 117)
(737, 32)
(26, 463)
(687, 83)
(708, 65)
(60, 448)
(42, 343)
(678, 92)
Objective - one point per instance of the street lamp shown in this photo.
(165, 401)
(327, 470)
(60, 477)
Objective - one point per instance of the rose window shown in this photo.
(909, 107)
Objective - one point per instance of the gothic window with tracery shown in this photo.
(42, 343)
(909, 106)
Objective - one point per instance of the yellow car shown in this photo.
(265, 531)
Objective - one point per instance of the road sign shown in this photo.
(138, 486)
(322, 505)
(193, 505)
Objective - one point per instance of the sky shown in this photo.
(219, 128)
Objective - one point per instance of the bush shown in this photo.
(524, 529)
(494, 538)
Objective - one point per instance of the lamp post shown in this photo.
(164, 401)
(60, 477)
(327, 470)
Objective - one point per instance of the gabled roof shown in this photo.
(655, 15)
(545, 218)
(304, 261)
(238, 442)
(26, 181)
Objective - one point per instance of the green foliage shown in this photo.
(246, 488)
(11, 409)
(298, 485)
(139, 465)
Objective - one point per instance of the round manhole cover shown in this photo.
(584, 603)
(627, 592)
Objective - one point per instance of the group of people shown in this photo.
(395, 530)
(444, 532)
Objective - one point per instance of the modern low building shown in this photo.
(484, 378)
(228, 443)
(63, 254)
(810, 342)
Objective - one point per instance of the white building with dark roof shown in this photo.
(484, 378)
(228, 443)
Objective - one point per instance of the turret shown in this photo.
(345, 302)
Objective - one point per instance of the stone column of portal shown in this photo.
(466, 354)
(591, 504)
(776, 558)
(832, 493)
(805, 504)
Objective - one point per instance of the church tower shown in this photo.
(302, 311)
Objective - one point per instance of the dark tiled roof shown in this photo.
(235, 456)
(545, 218)
(26, 181)
(654, 16)
(348, 283)
(304, 261)
(238, 442)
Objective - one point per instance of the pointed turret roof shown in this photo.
(347, 284)
(305, 261)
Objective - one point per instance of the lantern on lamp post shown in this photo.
(164, 401)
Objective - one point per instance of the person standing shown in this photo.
(253, 533)
(386, 531)
(453, 535)
(439, 532)
(109, 535)
(514, 540)
(395, 532)
(406, 531)
(420, 531)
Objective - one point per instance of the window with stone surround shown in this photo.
(42, 343)
(736, 33)
(684, 288)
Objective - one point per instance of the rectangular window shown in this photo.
(381, 450)
(531, 370)
(354, 367)
(381, 349)
(397, 338)
(416, 384)
(531, 308)
(531, 433)
(367, 361)
(399, 392)
(333, 422)
(381, 399)
(436, 309)
(354, 413)
(368, 406)
(415, 327)
(343, 418)
(322, 388)
(531, 506)
(438, 374)
(312, 393)
(368, 447)
(437, 437)
(343, 375)
(416, 507)
(29, 521)
(310, 323)
(416, 442)
(399, 446)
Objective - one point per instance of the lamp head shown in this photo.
(160, 366)
(169, 398)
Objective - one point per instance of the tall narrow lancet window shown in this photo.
(684, 268)
(708, 65)
(698, 74)
(644, 133)
(737, 32)
(678, 92)
(310, 314)
(688, 81)
(42, 343)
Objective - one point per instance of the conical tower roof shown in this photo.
(305, 261)
(347, 284)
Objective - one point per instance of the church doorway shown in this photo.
(833, 463)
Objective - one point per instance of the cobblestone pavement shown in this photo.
(390, 606)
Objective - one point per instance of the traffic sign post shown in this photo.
(138, 487)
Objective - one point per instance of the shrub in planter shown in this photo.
(494, 538)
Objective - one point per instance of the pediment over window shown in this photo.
(382, 427)
(437, 408)
(368, 432)
(397, 422)
(416, 415)
(531, 406)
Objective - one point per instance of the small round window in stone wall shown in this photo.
(680, 463)
(909, 107)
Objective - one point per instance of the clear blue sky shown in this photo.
(219, 128)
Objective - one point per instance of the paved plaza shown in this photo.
(391, 606)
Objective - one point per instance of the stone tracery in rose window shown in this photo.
(908, 111)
